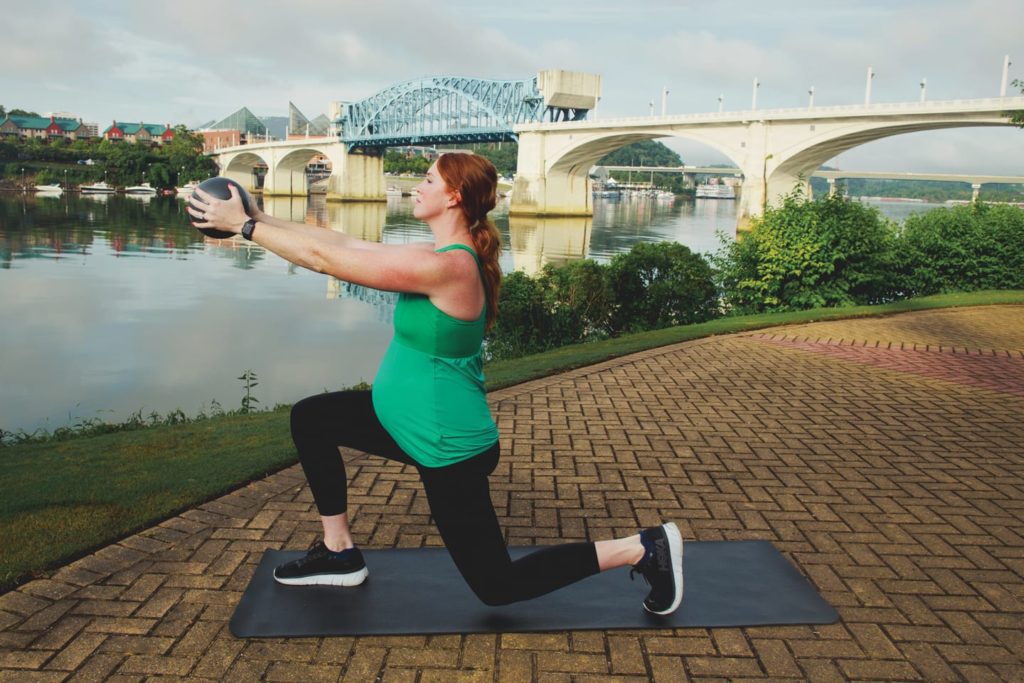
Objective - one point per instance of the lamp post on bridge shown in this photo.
(867, 89)
(924, 86)
(810, 98)
(753, 98)
(721, 98)
(1006, 75)
(664, 100)
(651, 104)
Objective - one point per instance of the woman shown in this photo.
(428, 408)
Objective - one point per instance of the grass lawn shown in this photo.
(63, 499)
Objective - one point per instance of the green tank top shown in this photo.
(429, 390)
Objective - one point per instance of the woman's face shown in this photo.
(433, 196)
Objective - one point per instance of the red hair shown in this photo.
(476, 181)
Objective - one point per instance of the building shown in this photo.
(46, 128)
(152, 133)
(214, 140)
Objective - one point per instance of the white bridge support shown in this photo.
(774, 149)
(355, 176)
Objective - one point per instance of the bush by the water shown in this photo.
(837, 252)
(652, 286)
(803, 254)
(961, 249)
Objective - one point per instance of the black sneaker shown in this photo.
(322, 566)
(662, 568)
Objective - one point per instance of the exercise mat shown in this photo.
(419, 591)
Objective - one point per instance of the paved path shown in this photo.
(882, 456)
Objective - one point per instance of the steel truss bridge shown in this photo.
(447, 110)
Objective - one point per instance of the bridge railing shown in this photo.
(978, 105)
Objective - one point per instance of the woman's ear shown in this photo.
(455, 198)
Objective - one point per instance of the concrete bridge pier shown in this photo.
(285, 181)
(561, 190)
(356, 176)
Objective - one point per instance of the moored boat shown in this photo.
(143, 189)
(186, 189)
(97, 188)
(715, 190)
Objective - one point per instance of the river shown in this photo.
(113, 305)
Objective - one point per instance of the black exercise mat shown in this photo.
(419, 591)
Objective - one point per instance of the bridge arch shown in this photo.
(774, 150)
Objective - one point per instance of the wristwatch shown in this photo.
(247, 229)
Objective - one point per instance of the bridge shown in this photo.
(773, 149)
(558, 143)
(975, 180)
(428, 111)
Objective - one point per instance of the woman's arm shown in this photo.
(402, 268)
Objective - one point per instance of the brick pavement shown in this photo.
(891, 475)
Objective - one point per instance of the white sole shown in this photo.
(347, 580)
(675, 547)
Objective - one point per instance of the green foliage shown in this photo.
(578, 301)
(1017, 116)
(805, 254)
(248, 379)
(643, 153)
(646, 153)
(504, 155)
(659, 285)
(119, 163)
(563, 305)
(396, 162)
(522, 325)
(655, 285)
(964, 248)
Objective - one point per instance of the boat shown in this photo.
(714, 190)
(143, 189)
(50, 189)
(393, 191)
(97, 188)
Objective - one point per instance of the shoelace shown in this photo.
(316, 550)
(641, 567)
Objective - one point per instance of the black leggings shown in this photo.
(459, 498)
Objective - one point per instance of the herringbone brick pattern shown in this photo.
(892, 476)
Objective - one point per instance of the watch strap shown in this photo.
(247, 229)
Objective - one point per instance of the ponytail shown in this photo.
(476, 180)
(487, 243)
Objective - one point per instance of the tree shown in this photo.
(1017, 117)
(803, 254)
(660, 285)
(643, 153)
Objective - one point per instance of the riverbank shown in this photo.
(64, 499)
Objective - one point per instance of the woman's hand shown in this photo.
(220, 214)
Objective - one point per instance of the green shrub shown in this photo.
(964, 248)
(578, 301)
(522, 321)
(805, 254)
(659, 285)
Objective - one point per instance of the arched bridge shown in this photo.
(774, 149)
(428, 111)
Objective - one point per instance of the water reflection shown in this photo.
(535, 241)
(112, 305)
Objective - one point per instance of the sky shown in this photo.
(191, 61)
